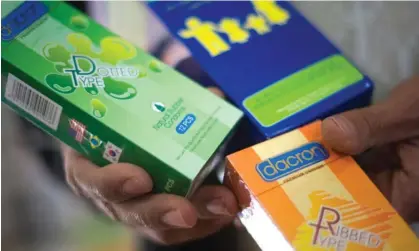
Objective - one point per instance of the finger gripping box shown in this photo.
(268, 59)
(108, 99)
(298, 194)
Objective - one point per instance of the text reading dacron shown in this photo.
(287, 163)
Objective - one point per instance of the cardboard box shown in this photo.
(107, 99)
(298, 194)
(268, 59)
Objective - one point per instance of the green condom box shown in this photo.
(107, 99)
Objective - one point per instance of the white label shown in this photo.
(112, 153)
(33, 102)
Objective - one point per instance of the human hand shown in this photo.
(122, 191)
(386, 136)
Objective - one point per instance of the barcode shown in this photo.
(33, 102)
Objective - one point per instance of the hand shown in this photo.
(122, 191)
(389, 133)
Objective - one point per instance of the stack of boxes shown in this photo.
(114, 103)
(295, 192)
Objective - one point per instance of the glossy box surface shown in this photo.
(106, 98)
(269, 60)
(313, 199)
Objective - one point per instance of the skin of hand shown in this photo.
(385, 141)
(122, 191)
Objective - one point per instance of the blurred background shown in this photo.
(40, 213)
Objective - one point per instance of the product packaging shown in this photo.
(296, 193)
(108, 99)
(268, 59)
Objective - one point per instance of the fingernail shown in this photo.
(341, 123)
(217, 207)
(135, 186)
(334, 130)
(175, 218)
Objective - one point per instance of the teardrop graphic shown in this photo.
(115, 49)
(99, 109)
(60, 83)
(142, 71)
(119, 89)
(92, 90)
(158, 107)
(155, 66)
(79, 22)
(82, 44)
(142, 74)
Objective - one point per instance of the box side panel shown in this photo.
(252, 215)
(263, 228)
(244, 164)
(233, 180)
(61, 119)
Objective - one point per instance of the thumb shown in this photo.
(395, 119)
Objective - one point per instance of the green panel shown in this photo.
(301, 90)
(8, 6)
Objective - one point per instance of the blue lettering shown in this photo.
(185, 124)
(21, 18)
(287, 163)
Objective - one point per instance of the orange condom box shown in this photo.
(296, 193)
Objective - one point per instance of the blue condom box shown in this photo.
(269, 60)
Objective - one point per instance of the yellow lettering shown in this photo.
(271, 11)
(234, 31)
(257, 23)
(205, 34)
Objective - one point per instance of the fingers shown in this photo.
(157, 212)
(120, 190)
(214, 202)
(405, 198)
(395, 119)
(216, 91)
(170, 219)
(112, 183)
(202, 229)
